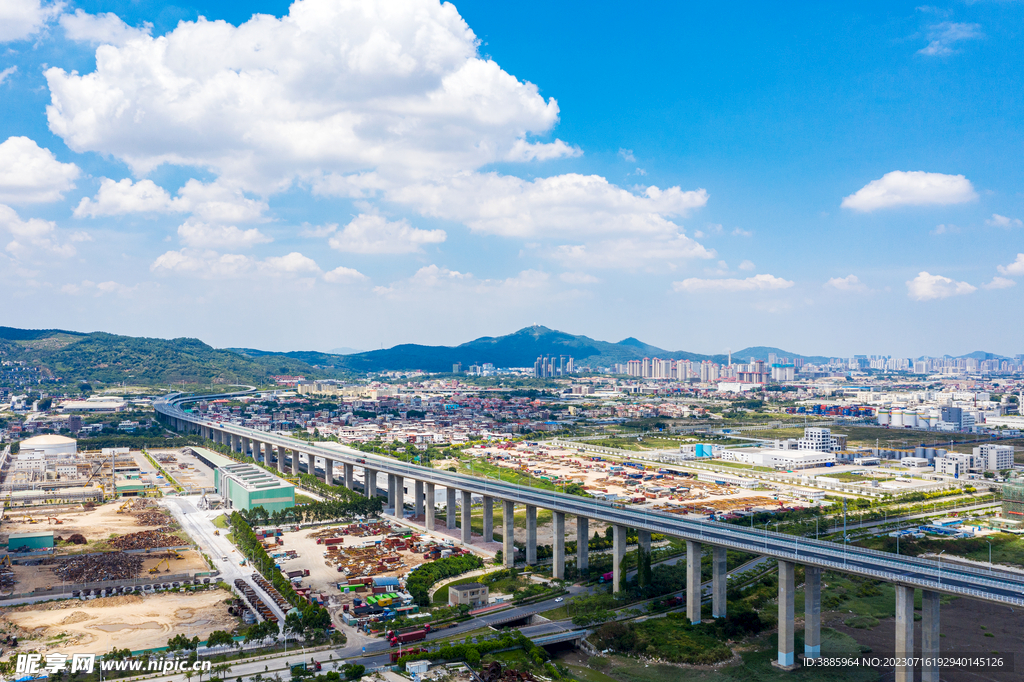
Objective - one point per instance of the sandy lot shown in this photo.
(31, 577)
(98, 524)
(131, 621)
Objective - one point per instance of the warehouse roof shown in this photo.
(34, 534)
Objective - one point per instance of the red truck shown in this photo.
(329, 541)
(406, 652)
(405, 637)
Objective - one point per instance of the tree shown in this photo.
(220, 638)
(182, 643)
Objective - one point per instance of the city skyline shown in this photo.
(381, 173)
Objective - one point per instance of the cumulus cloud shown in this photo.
(204, 236)
(213, 202)
(942, 37)
(20, 19)
(570, 204)
(375, 234)
(331, 86)
(1002, 221)
(999, 283)
(927, 287)
(848, 283)
(30, 174)
(747, 265)
(343, 275)
(627, 155)
(35, 234)
(631, 253)
(738, 232)
(911, 188)
(209, 264)
(106, 29)
(7, 73)
(755, 283)
(1015, 268)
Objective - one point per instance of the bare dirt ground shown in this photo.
(132, 621)
(98, 524)
(30, 578)
(963, 624)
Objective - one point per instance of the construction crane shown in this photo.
(156, 569)
(124, 507)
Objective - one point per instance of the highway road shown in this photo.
(930, 574)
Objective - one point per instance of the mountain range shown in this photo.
(110, 358)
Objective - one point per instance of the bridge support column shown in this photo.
(508, 548)
(904, 631)
(488, 519)
(279, 451)
(693, 591)
(369, 482)
(929, 636)
(428, 521)
(236, 443)
(349, 477)
(449, 509)
(582, 544)
(719, 581)
(812, 612)
(328, 471)
(618, 551)
(391, 492)
(558, 559)
(787, 572)
(467, 517)
(245, 446)
(417, 493)
(399, 497)
(531, 535)
(295, 462)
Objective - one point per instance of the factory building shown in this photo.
(244, 486)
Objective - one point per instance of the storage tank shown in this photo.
(924, 421)
(896, 418)
(883, 417)
(910, 419)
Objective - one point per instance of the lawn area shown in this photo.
(221, 521)
(303, 499)
(498, 582)
(1006, 548)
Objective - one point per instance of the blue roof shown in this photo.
(385, 582)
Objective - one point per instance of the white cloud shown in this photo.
(343, 275)
(375, 234)
(848, 283)
(755, 283)
(318, 231)
(578, 278)
(570, 204)
(523, 151)
(88, 287)
(945, 229)
(631, 253)
(433, 280)
(911, 188)
(1015, 268)
(203, 236)
(6, 73)
(124, 196)
(1002, 221)
(393, 85)
(20, 19)
(999, 283)
(208, 264)
(927, 287)
(107, 29)
(34, 234)
(941, 37)
(213, 202)
(737, 232)
(627, 155)
(31, 174)
(747, 265)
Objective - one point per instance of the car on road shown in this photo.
(558, 599)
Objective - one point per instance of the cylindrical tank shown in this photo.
(924, 421)
(883, 417)
(896, 418)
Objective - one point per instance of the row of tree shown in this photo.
(424, 576)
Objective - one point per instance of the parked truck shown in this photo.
(396, 638)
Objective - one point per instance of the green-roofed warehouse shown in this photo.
(244, 486)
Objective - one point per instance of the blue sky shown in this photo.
(823, 179)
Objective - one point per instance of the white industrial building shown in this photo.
(95, 404)
(780, 459)
(48, 445)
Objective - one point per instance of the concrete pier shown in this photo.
(787, 594)
(531, 535)
(391, 492)
(349, 476)
(295, 462)
(693, 591)
(618, 552)
(929, 635)
(329, 471)
(904, 631)
(417, 495)
(508, 548)
(370, 482)
(467, 517)
(812, 612)
(429, 505)
(488, 519)
(558, 559)
(449, 509)
(399, 497)
(582, 543)
(719, 581)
